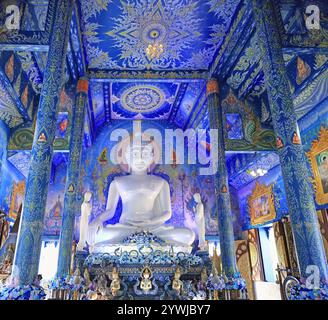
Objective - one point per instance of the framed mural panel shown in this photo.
(17, 199)
(261, 204)
(318, 157)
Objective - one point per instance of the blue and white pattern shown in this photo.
(142, 100)
(28, 292)
(116, 33)
(138, 257)
(238, 168)
(142, 239)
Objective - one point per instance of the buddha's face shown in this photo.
(139, 158)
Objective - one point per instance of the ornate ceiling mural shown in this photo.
(22, 80)
(173, 102)
(142, 100)
(117, 33)
(21, 160)
(247, 77)
(8, 111)
(239, 164)
(187, 105)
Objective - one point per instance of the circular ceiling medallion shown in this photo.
(145, 98)
(154, 32)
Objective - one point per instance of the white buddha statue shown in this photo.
(86, 209)
(200, 220)
(146, 204)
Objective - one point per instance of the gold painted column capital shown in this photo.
(83, 85)
(212, 86)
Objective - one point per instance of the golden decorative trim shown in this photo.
(212, 86)
(264, 193)
(83, 86)
(320, 148)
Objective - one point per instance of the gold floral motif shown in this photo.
(318, 157)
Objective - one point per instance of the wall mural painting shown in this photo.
(62, 128)
(234, 126)
(55, 199)
(245, 131)
(263, 200)
(20, 78)
(11, 190)
(261, 204)
(22, 138)
(318, 157)
(190, 100)
(98, 172)
(17, 199)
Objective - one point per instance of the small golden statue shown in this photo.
(145, 283)
(203, 276)
(296, 139)
(115, 285)
(177, 284)
(77, 279)
(42, 138)
(86, 276)
(279, 143)
(6, 266)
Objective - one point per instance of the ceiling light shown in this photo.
(154, 51)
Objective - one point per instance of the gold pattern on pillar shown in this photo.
(244, 265)
(323, 222)
(255, 255)
(281, 244)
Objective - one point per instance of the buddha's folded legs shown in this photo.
(179, 236)
(114, 234)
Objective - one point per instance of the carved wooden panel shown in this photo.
(323, 222)
(291, 246)
(255, 255)
(244, 265)
(281, 244)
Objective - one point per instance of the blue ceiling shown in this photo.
(109, 36)
(116, 33)
(171, 101)
(142, 100)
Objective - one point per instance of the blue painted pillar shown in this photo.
(72, 180)
(301, 206)
(227, 244)
(28, 248)
(4, 132)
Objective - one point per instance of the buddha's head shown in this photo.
(139, 158)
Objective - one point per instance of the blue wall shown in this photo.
(9, 174)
